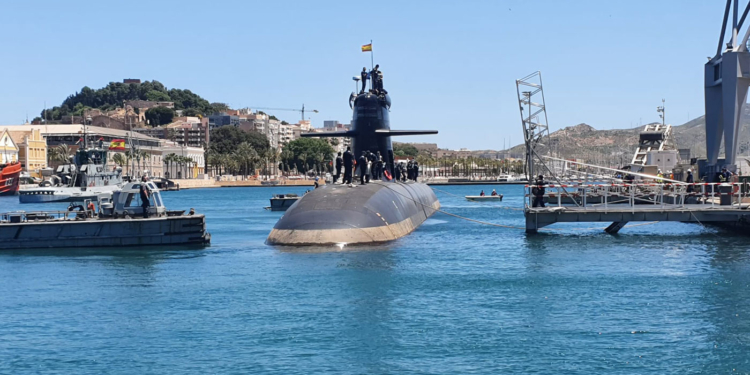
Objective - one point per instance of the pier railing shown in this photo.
(583, 196)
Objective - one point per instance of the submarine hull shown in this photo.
(364, 214)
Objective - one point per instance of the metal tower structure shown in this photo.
(534, 118)
(727, 78)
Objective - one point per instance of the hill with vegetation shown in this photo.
(115, 93)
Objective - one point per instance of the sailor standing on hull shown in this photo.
(348, 165)
(362, 165)
(339, 164)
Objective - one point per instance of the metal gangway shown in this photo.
(621, 203)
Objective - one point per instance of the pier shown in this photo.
(620, 204)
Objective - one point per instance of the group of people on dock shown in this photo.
(372, 167)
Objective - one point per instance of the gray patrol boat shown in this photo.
(115, 221)
(86, 177)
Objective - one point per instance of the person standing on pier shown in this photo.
(538, 192)
(690, 181)
(348, 165)
(339, 164)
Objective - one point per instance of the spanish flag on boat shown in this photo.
(117, 145)
(367, 48)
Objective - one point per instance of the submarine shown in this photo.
(380, 211)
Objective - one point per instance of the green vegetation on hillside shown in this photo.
(113, 95)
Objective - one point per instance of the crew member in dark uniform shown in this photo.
(364, 80)
(339, 164)
(378, 166)
(538, 192)
(362, 165)
(397, 172)
(690, 181)
(145, 193)
(416, 171)
(348, 165)
(374, 75)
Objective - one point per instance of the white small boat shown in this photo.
(482, 198)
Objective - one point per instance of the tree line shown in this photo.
(113, 95)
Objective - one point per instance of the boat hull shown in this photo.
(9, 179)
(486, 198)
(157, 231)
(364, 214)
(282, 204)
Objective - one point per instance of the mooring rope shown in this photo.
(501, 225)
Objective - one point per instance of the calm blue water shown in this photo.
(454, 297)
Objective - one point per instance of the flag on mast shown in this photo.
(367, 48)
(117, 145)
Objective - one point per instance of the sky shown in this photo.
(448, 65)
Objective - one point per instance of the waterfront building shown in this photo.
(71, 135)
(194, 169)
(8, 148)
(222, 119)
(32, 149)
(187, 131)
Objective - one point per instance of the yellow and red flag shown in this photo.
(117, 145)
(367, 48)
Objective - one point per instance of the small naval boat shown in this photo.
(115, 221)
(86, 177)
(281, 202)
(9, 178)
(485, 198)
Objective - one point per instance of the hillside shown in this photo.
(113, 95)
(610, 146)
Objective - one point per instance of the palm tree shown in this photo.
(63, 153)
(119, 159)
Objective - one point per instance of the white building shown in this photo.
(8, 148)
(193, 170)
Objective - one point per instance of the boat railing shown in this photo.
(735, 195)
(35, 216)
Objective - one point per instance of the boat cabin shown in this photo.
(127, 201)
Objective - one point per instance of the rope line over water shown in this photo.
(501, 225)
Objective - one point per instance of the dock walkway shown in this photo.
(620, 204)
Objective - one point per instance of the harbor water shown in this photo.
(454, 297)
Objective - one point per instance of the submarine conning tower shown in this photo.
(370, 118)
(379, 211)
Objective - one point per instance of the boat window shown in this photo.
(133, 200)
(157, 200)
(83, 168)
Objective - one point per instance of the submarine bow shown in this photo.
(372, 213)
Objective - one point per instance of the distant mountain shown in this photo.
(610, 146)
